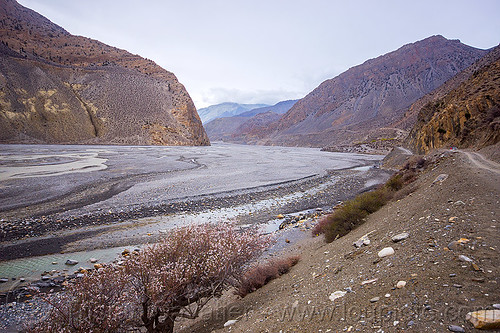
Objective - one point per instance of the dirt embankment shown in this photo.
(456, 215)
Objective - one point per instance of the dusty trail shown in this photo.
(482, 162)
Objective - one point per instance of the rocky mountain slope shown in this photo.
(376, 94)
(227, 109)
(60, 88)
(241, 128)
(465, 114)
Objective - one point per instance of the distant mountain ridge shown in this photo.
(60, 88)
(227, 109)
(376, 94)
(238, 128)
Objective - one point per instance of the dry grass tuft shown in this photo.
(262, 274)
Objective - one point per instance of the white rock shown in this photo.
(337, 294)
(400, 237)
(386, 251)
(401, 284)
(230, 322)
(464, 258)
(93, 260)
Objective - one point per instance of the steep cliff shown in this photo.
(60, 88)
(376, 94)
(466, 116)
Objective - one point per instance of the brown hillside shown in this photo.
(467, 116)
(376, 94)
(53, 83)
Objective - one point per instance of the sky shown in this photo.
(266, 51)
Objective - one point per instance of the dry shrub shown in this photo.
(260, 275)
(98, 302)
(353, 212)
(172, 279)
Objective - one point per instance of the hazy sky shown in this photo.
(265, 51)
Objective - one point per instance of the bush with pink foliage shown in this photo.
(168, 280)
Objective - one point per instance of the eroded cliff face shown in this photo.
(60, 88)
(351, 107)
(468, 116)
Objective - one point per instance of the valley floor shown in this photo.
(457, 216)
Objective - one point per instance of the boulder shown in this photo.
(484, 319)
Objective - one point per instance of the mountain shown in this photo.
(60, 88)
(351, 107)
(235, 128)
(464, 113)
(227, 109)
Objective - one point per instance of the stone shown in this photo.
(455, 328)
(375, 299)
(400, 284)
(4, 280)
(97, 266)
(280, 216)
(369, 281)
(358, 243)
(496, 306)
(54, 263)
(93, 260)
(45, 278)
(230, 322)
(337, 294)
(464, 258)
(386, 251)
(484, 319)
(71, 262)
(125, 252)
(387, 295)
(475, 267)
(400, 237)
(411, 323)
(441, 178)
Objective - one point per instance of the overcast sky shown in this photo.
(265, 51)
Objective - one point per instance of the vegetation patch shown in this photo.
(353, 212)
(262, 274)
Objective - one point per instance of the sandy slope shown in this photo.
(440, 288)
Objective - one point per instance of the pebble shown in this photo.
(4, 280)
(457, 285)
(401, 284)
(387, 251)
(411, 323)
(496, 306)
(455, 328)
(464, 258)
(71, 262)
(337, 294)
(230, 322)
(400, 237)
(453, 275)
(374, 299)
(387, 295)
(93, 260)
